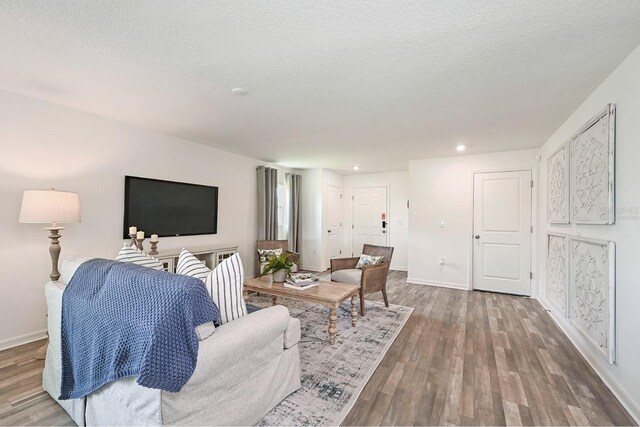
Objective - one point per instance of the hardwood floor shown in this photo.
(478, 358)
(22, 399)
(462, 358)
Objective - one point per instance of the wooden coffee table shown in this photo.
(329, 294)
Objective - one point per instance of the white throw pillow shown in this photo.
(189, 265)
(135, 256)
(69, 267)
(368, 260)
(225, 285)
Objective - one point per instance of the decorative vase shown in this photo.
(268, 279)
(280, 276)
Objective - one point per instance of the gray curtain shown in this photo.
(267, 203)
(294, 182)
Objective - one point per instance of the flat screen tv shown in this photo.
(168, 208)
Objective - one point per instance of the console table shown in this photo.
(211, 257)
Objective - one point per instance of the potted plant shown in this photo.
(279, 266)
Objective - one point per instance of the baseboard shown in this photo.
(393, 268)
(594, 360)
(22, 339)
(461, 286)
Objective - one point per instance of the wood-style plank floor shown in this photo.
(478, 358)
(470, 358)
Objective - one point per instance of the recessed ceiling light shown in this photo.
(461, 147)
(356, 168)
(239, 91)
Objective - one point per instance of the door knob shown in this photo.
(477, 236)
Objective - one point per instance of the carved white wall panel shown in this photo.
(558, 271)
(592, 292)
(558, 186)
(592, 170)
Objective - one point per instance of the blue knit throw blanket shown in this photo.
(122, 320)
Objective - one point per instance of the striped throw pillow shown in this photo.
(135, 256)
(189, 265)
(225, 285)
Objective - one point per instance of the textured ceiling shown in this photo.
(331, 83)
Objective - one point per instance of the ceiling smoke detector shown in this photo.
(239, 91)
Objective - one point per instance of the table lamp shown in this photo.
(51, 207)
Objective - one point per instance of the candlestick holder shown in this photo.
(133, 240)
(154, 248)
(139, 244)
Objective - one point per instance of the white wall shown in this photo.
(44, 145)
(441, 190)
(397, 184)
(311, 219)
(622, 87)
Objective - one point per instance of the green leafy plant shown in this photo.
(276, 263)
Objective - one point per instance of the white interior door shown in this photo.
(333, 221)
(369, 213)
(502, 232)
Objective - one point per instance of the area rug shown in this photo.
(333, 376)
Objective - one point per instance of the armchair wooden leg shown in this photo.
(384, 295)
(361, 302)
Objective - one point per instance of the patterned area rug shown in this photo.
(333, 376)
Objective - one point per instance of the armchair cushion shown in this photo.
(352, 275)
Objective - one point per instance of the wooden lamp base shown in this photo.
(54, 251)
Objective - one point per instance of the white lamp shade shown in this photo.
(50, 206)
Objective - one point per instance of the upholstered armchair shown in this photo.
(371, 278)
(283, 245)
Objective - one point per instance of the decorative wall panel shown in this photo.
(592, 170)
(592, 292)
(558, 271)
(558, 186)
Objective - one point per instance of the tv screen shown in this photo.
(168, 208)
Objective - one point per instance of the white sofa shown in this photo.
(244, 369)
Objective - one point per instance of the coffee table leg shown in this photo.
(332, 325)
(245, 295)
(354, 311)
(274, 300)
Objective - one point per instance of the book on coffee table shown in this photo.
(302, 281)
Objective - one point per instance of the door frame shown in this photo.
(534, 283)
(386, 202)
